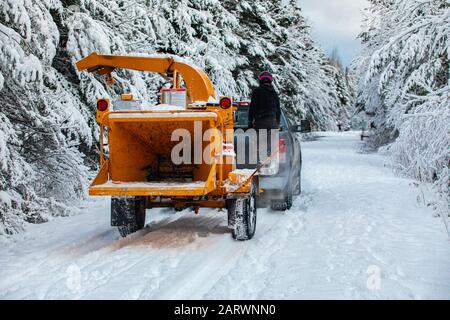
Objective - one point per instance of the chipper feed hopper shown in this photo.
(141, 166)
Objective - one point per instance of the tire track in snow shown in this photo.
(210, 266)
(162, 245)
(99, 266)
(250, 267)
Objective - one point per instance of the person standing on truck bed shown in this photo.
(264, 111)
(264, 114)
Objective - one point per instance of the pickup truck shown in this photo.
(281, 185)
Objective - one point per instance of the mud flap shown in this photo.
(123, 211)
(230, 210)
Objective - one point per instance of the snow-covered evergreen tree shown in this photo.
(44, 123)
(306, 89)
(404, 84)
(343, 87)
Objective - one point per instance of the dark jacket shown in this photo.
(264, 109)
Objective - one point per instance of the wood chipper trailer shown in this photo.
(139, 172)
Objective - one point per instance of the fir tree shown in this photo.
(404, 84)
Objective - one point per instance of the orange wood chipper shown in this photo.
(138, 171)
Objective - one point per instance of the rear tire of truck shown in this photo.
(128, 214)
(286, 203)
(242, 216)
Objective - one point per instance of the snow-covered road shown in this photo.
(356, 232)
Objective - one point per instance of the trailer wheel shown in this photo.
(128, 214)
(242, 216)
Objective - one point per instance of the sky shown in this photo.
(335, 23)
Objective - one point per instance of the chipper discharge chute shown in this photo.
(169, 155)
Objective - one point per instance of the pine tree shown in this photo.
(43, 121)
(404, 86)
(343, 87)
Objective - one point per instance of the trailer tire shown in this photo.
(242, 216)
(128, 214)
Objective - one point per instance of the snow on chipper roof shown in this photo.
(169, 155)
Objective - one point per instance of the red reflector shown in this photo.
(102, 105)
(225, 103)
(282, 145)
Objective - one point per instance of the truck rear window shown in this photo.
(241, 118)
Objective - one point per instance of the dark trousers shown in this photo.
(269, 124)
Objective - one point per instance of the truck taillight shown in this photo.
(102, 105)
(225, 103)
(228, 150)
(282, 145)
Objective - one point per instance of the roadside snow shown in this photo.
(356, 232)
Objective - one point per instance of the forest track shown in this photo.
(356, 232)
